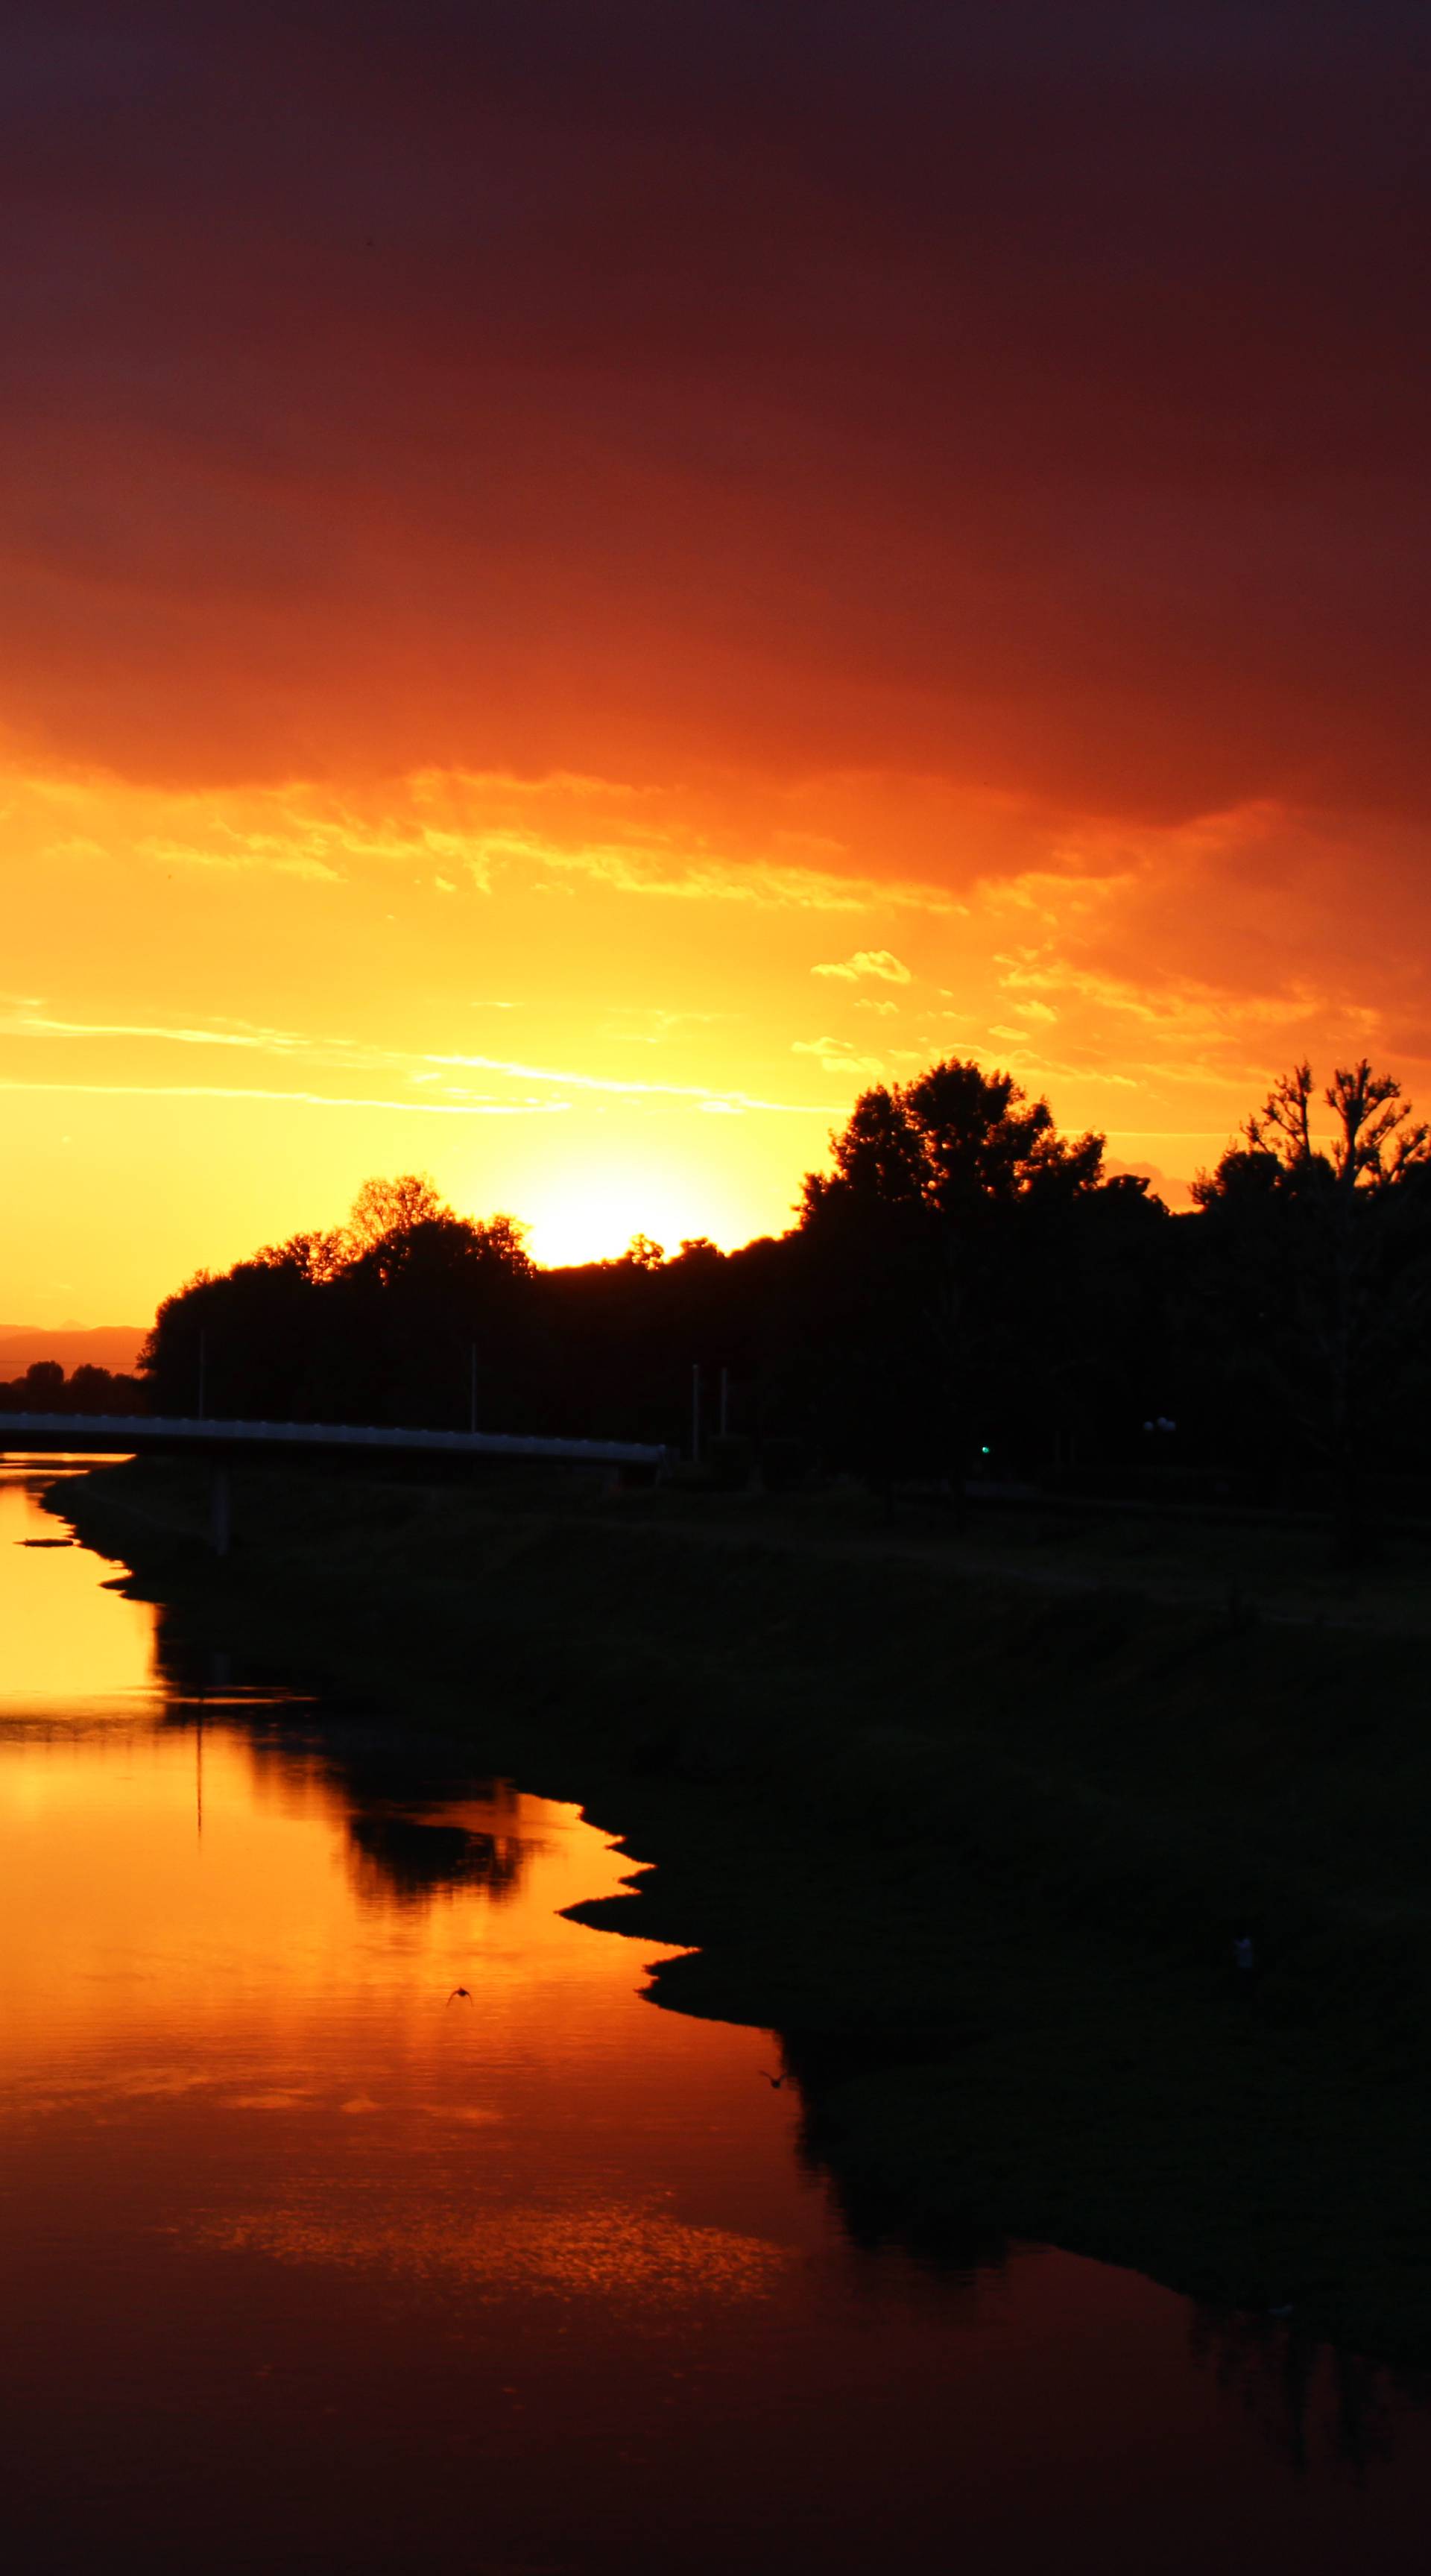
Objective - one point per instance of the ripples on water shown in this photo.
(308, 2265)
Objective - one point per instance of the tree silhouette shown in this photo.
(951, 1142)
(377, 1321)
(384, 1208)
(965, 1292)
(1376, 1138)
(916, 1234)
(1323, 1272)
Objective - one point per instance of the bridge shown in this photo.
(122, 1435)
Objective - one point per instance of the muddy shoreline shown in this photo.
(976, 1850)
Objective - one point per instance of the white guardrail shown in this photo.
(100, 1431)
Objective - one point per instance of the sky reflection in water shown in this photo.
(306, 2264)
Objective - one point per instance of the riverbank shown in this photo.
(975, 1837)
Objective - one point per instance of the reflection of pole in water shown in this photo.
(220, 1679)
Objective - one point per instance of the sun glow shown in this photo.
(592, 1214)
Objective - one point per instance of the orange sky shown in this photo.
(573, 594)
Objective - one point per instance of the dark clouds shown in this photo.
(1035, 395)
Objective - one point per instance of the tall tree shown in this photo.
(952, 1141)
(392, 1207)
(1321, 1238)
(910, 1233)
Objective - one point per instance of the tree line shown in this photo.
(967, 1292)
(44, 1388)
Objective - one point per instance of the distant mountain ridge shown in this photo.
(111, 1346)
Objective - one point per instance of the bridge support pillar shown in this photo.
(220, 1507)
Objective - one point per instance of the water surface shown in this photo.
(310, 2264)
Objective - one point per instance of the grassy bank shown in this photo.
(973, 1832)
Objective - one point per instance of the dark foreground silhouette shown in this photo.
(979, 1848)
(966, 1294)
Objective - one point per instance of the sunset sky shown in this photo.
(582, 581)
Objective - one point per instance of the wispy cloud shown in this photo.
(467, 1106)
(700, 1092)
(250, 850)
(223, 1033)
(834, 1056)
(345, 1056)
(651, 1026)
(1183, 1008)
(456, 829)
(437, 786)
(879, 963)
(629, 868)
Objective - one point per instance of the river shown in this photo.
(311, 2261)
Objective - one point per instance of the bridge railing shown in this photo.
(109, 1432)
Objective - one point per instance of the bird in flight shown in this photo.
(459, 1991)
(774, 2081)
